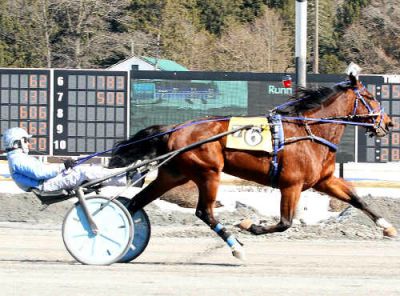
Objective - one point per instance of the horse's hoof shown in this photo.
(245, 224)
(238, 252)
(390, 232)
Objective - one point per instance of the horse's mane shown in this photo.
(140, 146)
(307, 99)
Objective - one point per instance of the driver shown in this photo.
(28, 172)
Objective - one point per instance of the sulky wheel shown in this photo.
(142, 233)
(114, 236)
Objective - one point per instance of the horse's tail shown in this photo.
(147, 143)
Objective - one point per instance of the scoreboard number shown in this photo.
(59, 142)
(24, 103)
(60, 145)
(90, 111)
(387, 148)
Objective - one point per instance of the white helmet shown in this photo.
(12, 135)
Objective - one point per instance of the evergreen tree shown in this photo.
(16, 42)
(177, 31)
(349, 12)
(8, 27)
(146, 15)
(250, 10)
(326, 36)
(286, 8)
(200, 34)
(214, 14)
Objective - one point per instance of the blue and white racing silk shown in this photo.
(29, 172)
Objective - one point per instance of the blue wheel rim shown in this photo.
(141, 236)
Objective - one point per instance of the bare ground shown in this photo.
(345, 256)
(351, 223)
(33, 261)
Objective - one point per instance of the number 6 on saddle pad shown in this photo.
(257, 138)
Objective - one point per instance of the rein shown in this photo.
(323, 141)
(279, 142)
(84, 159)
(337, 120)
(348, 119)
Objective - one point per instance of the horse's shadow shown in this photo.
(39, 261)
(72, 262)
(188, 264)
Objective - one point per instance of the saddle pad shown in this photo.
(256, 138)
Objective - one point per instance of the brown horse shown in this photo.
(307, 160)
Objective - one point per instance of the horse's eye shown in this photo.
(368, 96)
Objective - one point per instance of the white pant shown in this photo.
(71, 178)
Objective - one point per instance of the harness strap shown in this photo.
(315, 138)
(332, 146)
(278, 143)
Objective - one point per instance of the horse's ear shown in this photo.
(353, 80)
(353, 70)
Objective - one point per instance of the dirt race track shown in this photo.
(345, 256)
(33, 261)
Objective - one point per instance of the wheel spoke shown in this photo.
(114, 236)
(110, 239)
(79, 235)
(85, 242)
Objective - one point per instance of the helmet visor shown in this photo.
(26, 140)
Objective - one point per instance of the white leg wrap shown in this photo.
(381, 222)
(238, 251)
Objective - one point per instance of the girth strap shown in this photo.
(278, 142)
(315, 138)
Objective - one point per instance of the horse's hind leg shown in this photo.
(340, 189)
(289, 200)
(208, 187)
(164, 182)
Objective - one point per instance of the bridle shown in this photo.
(372, 113)
(376, 127)
(352, 119)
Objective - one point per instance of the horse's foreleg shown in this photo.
(205, 211)
(289, 200)
(339, 188)
(155, 189)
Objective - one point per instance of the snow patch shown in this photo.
(313, 207)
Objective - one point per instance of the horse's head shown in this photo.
(119, 160)
(123, 154)
(145, 144)
(368, 110)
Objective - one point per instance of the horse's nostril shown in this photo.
(390, 124)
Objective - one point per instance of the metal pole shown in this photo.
(341, 170)
(158, 51)
(132, 48)
(301, 42)
(316, 41)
